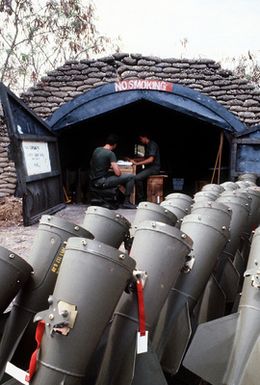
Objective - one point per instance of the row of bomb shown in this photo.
(101, 298)
(212, 287)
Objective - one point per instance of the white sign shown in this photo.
(143, 84)
(142, 343)
(17, 373)
(37, 159)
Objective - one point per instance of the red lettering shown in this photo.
(143, 84)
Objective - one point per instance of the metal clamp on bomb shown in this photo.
(60, 317)
(137, 275)
(140, 275)
(255, 276)
(128, 241)
(188, 265)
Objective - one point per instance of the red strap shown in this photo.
(38, 337)
(141, 312)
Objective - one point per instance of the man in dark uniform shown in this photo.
(105, 172)
(151, 163)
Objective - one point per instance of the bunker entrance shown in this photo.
(188, 146)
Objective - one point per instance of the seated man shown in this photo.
(105, 172)
(151, 163)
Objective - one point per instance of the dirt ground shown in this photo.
(13, 235)
(10, 211)
(18, 238)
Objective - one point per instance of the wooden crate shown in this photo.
(155, 184)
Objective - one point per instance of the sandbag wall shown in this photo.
(8, 178)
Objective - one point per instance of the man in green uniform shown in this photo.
(150, 162)
(105, 172)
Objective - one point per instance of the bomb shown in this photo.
(226, 350)
(106, 225)
(45, 258)
(208, 227)
(159, 250)
(14, 272)
(92, 278)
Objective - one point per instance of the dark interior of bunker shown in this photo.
(188, 146)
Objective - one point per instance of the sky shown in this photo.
(214, 29)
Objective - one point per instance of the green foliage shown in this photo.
(38, 36)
